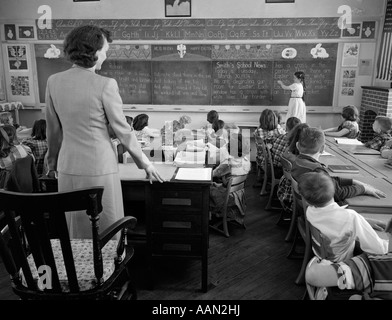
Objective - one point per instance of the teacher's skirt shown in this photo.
(79, 224)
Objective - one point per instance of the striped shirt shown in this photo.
(39, 149)
(17, 152)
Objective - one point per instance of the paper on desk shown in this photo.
(348, 141)
(195, 174)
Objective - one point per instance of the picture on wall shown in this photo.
(348, 82)
(20, 86)
(10, 32)
(17, 57)
(26, 32)
(352, 32)
(350, 55)
(178, 8)
(368, 29)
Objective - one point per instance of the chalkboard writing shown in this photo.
(230, 74)
(202, 29)
(241, 83)
(133, 79)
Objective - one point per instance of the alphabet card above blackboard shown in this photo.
(203, 29)
(230, 74)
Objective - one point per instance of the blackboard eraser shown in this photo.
(177, 109)
(133, 108)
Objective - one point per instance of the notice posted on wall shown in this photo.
(348, 82)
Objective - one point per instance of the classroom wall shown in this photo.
(25, 11)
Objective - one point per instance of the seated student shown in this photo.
(6, 118)
(284, 192)
(212, 115)
(381, 126)
(311, 145)
(366, 273)
(349, 127)
(268, 131)
(142, 131)
(184, 121)
(9, 152)
(38, 144)
(235, 163)
(281, 144)
(279, 117)
(181, 130)
(220, 136)
(341, 227)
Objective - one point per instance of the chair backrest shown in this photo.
(234, 184)
(260, 145)
(23, 176)
(287, 166)
(33, 219)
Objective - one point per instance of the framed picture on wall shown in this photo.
(353, 32)
(26, 32)
(178, 8)
(10, 32)
(17, 57)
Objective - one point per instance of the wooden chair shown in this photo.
(287, 166)
(234, 184)
(36, 240)
(260, 145)
(302, 232)
(274, 181)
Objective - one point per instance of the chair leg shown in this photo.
(293, 254)
(292, 228)
(307, 256)
(271, 196)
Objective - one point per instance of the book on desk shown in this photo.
(343, 168)
(348, 141)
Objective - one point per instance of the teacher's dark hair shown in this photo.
(82, 44)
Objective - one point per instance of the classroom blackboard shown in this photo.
(229, 74)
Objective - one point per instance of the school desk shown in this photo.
(176, 214)
(378, 216)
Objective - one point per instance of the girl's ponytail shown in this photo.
(301, 76)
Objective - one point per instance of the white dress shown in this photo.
(297, 106)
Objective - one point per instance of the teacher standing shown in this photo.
(80, 105)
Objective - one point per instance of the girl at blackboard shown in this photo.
(297, 106)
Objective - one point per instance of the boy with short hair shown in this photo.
(311, 145)
(341, 227)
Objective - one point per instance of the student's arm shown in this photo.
(284, 87)
(331, 129)
(334, 133)
(370, 190)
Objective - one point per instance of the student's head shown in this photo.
(129, 120)
(6, 118)
(311, 141)
(316, 188)
(184, 120)
(39, 129)
(212, 115)
(291, 123)
(218, 125)
(5, 145)
(86, 46)
(176, 125)
(231, 128)
(382, 124)
(350, 113)
(140, 121)
(238, 146)
(293, 137)
(11, 132)
(268, 120)
(299, 76)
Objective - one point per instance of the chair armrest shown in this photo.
(109, 232)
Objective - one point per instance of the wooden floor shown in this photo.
(250, 265)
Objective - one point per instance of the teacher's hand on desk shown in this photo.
(370, 190)
(153, 173)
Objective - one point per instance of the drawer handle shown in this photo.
(176, 247)
(177, 224)
(176, 202)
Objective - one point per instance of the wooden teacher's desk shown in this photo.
(176, 214)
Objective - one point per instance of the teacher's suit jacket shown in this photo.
(79, 106)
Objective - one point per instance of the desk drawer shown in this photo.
(166, 245)
(177, 200)
(176, 223)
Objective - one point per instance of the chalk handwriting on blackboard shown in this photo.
(203, 29)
